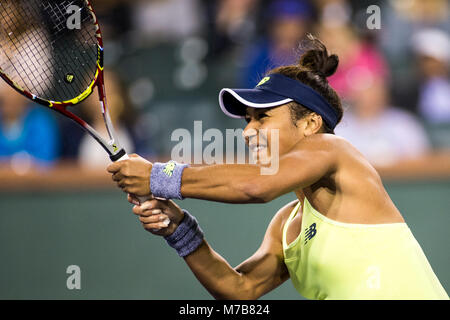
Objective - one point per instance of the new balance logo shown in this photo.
(168, 169)
(310, 232)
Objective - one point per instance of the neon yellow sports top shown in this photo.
(335, 260)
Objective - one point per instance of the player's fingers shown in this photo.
(114, 167)
(153, 218)
(127, 185)
(138, 210)
(117, 176)
(155, 226)
(147, 213)
(152, 204)
(133, 199)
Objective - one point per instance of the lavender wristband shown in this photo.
(187, 237)
(165, 180)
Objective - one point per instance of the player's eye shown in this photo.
(247, 119)
(262, 115)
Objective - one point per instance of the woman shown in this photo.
(342, 239)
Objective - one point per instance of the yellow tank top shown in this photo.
(335, 260)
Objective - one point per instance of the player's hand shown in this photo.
(132, 175)
(152, 214)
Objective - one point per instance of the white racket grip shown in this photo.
(166, 222)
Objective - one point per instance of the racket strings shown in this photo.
(84, 42)
(41, 53)
(57, 18)
(33, 53)
(9, 22)
(33, 56)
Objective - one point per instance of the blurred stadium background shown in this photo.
(166, 62)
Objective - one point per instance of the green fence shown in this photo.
(41, 234)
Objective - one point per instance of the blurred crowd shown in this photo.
(394, 80)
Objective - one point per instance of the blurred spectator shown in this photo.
(334, 12)
(232, 23)
(168, 20)
(401, 19)
(28, 134)
(359, 61)
(382, 133)
(91, 155)
(287, 23)
(432, 48)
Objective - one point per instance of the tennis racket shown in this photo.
(51, 51)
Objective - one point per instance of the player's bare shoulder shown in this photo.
(281, 217)
(348, 154)
(335, 146)
(350, 162)
(325, 141)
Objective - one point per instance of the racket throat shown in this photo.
(113, 141)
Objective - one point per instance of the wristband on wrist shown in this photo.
(165, 180)
(187, 237)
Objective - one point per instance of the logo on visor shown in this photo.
(264, 80)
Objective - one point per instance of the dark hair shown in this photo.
(312, 69)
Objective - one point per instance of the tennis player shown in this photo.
(342, 239)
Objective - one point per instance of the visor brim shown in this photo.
(234, 102)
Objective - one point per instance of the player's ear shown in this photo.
(313, 124)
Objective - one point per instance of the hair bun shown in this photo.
(315, 58)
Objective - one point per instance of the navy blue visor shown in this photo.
(272, 91)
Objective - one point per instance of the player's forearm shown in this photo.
(217, 276)
(233, 183)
